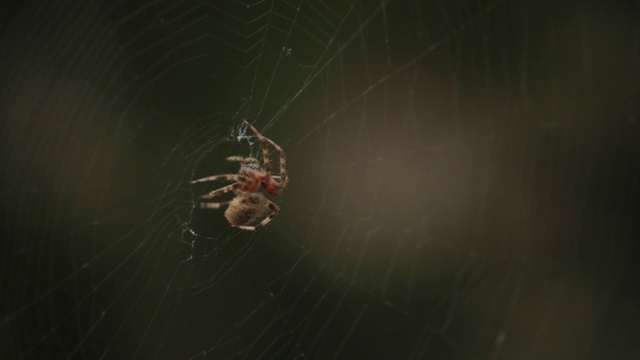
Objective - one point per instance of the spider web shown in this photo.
(464, 179)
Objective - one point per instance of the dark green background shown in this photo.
(464, 179)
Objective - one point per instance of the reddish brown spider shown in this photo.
(249, 205)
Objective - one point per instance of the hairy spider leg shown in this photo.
(274, 212)
(265, 155)
(244, 160)
(214, 205)
(221, 191)
(265, 149)
(283, 163)
(228, 177)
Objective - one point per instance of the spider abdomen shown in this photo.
(244, 210)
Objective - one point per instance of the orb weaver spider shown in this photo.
(249, 204)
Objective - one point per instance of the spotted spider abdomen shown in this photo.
(244, 210)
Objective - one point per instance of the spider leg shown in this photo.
(265, 155)
(274, 212)
(283, 163)
(243, 160)
(222, 190)
(265, 148)
(228, 177)
(214, 205)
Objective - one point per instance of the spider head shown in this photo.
(251, 167)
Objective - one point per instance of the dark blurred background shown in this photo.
(464, 179)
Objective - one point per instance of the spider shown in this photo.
(249, 205)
